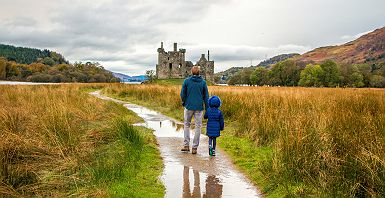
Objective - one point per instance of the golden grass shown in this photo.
(331, 140)
(49, 138)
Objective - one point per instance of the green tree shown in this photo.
(259, 76)
(311, 76)
(245, 76)
(286, 73)
(366, 71)
(3, 66)
(331, 76)
(377, 81)
(48, 61)
(351, 76)
(357, 79)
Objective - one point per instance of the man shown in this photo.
(194, 95)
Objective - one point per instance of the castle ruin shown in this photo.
(172, 64)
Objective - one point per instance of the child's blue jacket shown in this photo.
(215, 122)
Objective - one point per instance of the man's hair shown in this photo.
(195, 70)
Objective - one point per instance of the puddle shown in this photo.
(186, 175)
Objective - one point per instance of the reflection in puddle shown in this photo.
(186, 183)
(187, 175)
(212, 185)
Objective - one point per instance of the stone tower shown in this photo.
(172, 64)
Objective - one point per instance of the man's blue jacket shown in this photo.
(194, 93)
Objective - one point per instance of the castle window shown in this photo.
(170, 65)
(180, 65)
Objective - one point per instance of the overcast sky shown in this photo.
(123, 35)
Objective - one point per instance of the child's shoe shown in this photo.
(210, 151)
(213, 152)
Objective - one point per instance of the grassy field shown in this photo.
(58, 141)
(293, 141)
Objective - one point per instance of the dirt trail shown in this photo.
(186, 175)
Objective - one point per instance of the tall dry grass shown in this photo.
(49, 138)
(331, 140)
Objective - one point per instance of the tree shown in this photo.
(150, 74)
(331, 76)
(285, 73)
(377, 81)
(245, 76)
(48, 61)
(3, 66)
(357, 79)
(259, 76)
(311, 76)
(366, 71)
(234, 80)
(351, 76)
(39, 77)
(12, 69)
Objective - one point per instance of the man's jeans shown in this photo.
(188, 114)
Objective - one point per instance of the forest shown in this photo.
(34, 65)
(325, 74)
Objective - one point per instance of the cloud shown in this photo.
(124, 34)
(353, 37)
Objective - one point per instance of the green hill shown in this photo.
(26, 55)
(35, 65)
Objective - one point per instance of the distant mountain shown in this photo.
(369, 48)
(126, 78)
(276, 59)
(26, 55)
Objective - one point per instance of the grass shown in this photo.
(57, 140)
(168, 81)
(295, 141)
(175, 81)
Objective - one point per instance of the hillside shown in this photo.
(369, 48)
(35, 65)
(276, 59)
(26, 55)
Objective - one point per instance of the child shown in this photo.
(215, 123)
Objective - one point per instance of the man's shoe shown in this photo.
(186, 149)
(194, 151)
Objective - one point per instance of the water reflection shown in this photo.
(213, 186)
(186, 183)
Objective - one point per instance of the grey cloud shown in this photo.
(124, 34)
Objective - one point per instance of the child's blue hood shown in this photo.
(214, 101)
